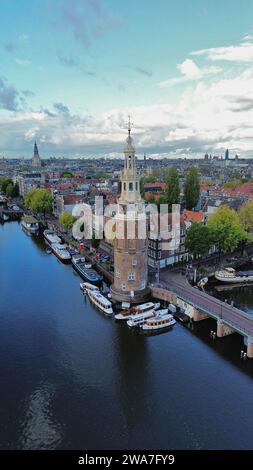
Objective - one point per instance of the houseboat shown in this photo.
(158, 322)
(139, 309)
(30, 224)
(229, 275)
(51, 237)
(100, 301)
(61, 252)
(88, 275)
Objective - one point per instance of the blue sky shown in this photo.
(71, 72)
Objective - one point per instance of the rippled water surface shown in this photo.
(74, 379)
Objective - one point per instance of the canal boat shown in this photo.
(61, 252)
(88, 275)
(158, 322)
(86, 286)
(51, 237)
(101, 302)
(140, 318)
(229, 275)
(138, 309)
(30, 224)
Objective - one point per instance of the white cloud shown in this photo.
(242, 52)
(24, 37)
(24, 62)
(207, 116)
(190, 71)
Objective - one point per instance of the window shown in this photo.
(130, 186)
(123, 286)
(124, 186)
(131, 276)
(117, 274)
(159, 254)
(136, 186)
(134, 262)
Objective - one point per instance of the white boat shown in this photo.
(143, 308)
(30, 224)
(229, 275)
(61, 252)
(158, 322)
(100, 301)
(86, 286)
(5, 217)
(139, 318)
(51, 237)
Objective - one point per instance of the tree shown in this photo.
(4, 183)
(39, 200)
(150, 179)
(10, 190)
(67, 174)
(226, 229)
(191, 188)
(198, 239)
(95, 241)
(246, 216)
(67, 220)
(172, 191)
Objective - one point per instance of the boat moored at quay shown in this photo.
(30, 224)
(61, 252)
(158, 322)
(229, 275)
(148, 307)
(101, 302)
(88, 275)
(140, 318)
(51, 237)
(86, 287)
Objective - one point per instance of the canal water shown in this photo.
(73, 379)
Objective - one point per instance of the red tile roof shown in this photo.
(192, 216)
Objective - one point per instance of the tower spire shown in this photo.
(129, 125)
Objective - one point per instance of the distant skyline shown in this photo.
(71, 73)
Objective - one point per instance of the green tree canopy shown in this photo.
(191, 188)
(198, 239)
(4, 183)
(39, 200)
(67, 174)
(172, 191)
(226, 229)
(246, 216)
(10, 190)
(150, 179)
(67, 220)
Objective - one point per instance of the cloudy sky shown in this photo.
(72, 71)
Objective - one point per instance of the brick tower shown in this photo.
(130, 244)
